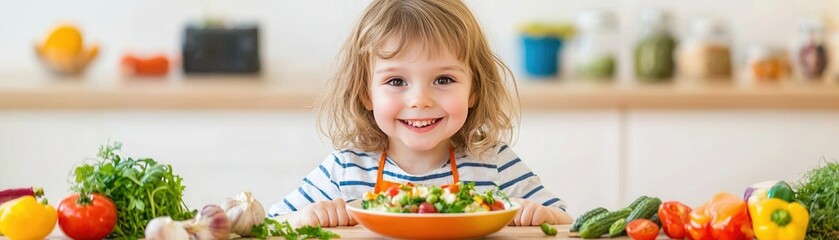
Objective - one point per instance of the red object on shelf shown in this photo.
(157, 65)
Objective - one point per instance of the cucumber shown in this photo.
(582, 219)
(617, 228)
(600, 224)
(646, 209)
(637, 201)
(655, 220)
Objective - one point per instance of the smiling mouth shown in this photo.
(420, 123)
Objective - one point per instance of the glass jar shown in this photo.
(833, 53)
(595, 47)
(705, 54)
(766, 64)
(809, 53)
(654, 60)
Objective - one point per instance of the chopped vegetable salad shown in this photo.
(455, 198)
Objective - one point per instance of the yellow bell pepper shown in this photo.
(1, 214)
(774, 218)
(26, 219)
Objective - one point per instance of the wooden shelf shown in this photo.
(680, 96)
(211, 92)
(257, 93)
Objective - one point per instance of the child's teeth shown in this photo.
(420, 123)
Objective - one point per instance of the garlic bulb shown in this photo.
(164, 228)
(210, 224)
(244, 212)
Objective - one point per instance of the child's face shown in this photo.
(419, 99)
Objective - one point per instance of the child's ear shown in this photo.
(365, 100)
(472, 100)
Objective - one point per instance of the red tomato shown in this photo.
(392, 191)
(426, 207)
(497, 205)
(92, 220)
(642, 229)
(674, 215)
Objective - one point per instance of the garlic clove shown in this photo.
(210, 224)
(164, 228)
(244, 212)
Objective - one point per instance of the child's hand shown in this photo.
(534, 214)
(326, 214)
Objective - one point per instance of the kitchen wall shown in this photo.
(300, 38)
(588, 157)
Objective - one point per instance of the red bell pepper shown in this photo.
(724, 217)
(674, 215)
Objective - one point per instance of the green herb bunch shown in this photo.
(273, 228)
(141, 189)
(819, 191)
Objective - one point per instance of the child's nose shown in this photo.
(420, 99)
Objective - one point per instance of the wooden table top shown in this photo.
(359, 232)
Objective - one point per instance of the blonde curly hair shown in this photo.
(447, 25)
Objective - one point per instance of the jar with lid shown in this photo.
(654, 60)
(766, 64)
(705, 54)
(809, 54)
(595, 47)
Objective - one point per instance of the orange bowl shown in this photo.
(433, 225)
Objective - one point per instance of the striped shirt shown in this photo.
(348, 174)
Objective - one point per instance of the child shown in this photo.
(418, 97)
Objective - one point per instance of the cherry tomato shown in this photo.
(642, 229)
(497, 205)
(426, 207)
(392, 191)
(87, 217)
(674, 215)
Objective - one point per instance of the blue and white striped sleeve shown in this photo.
(517, 180)
(320, 184)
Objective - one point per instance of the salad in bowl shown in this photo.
(455, 198)
(455, 211)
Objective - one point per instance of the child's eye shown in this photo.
(397, 82)
(443, 80)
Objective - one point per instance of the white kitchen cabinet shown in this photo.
(692, 155)
(575, 153)
(587, 157)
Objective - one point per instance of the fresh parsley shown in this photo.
(818, 191)
(273, 228)
(141, 189)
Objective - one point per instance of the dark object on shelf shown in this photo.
(221, 49)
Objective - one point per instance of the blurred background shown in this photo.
(676, 99)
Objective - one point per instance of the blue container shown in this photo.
(541, 55)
